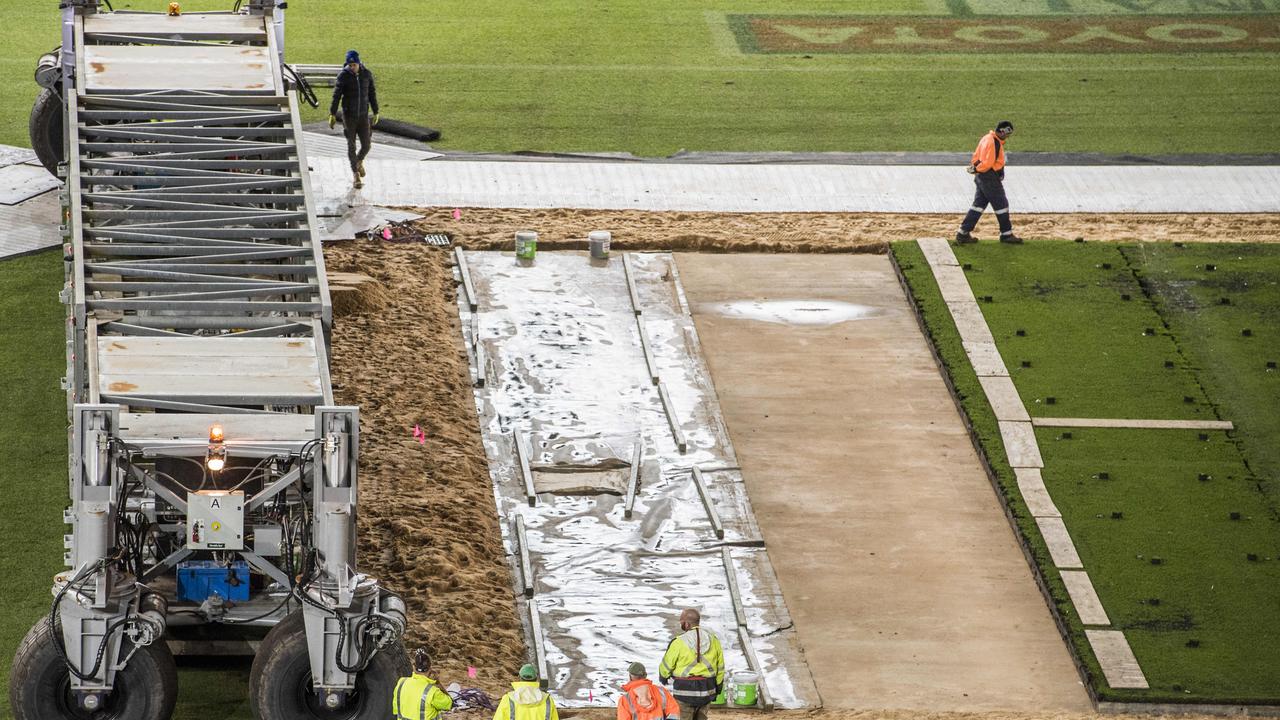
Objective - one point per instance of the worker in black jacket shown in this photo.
(357, 93)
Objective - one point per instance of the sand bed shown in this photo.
(484, 229)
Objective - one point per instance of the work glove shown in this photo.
(971, 169)
(333, 120)
(375, 118)
(1001, 173)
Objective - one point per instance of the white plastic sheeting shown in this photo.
(564, 371)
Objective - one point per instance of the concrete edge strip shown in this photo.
(985, 358)
(1034, 493)
(478, 351)
(647, 349)
(717, 526)
(526, 564)
(464, 272)
(1004, 398)
(539, 649)
(1119, 665)
(522, 458)
(1061, 549)
(673, 421)
(1084, 598)
(629, 272)
(937, 251)
(633, 482)
(749, 649)
(1020, 444)
(735, 594)
(1134, 424)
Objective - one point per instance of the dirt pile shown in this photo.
(486, 229)
(427, 522)
(355, 292)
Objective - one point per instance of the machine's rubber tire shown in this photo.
(45, 129)
(280, 679)
(40, 684)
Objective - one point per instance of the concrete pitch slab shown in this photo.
(21, 182)
(1135, 424)
(938, 252)
(1061, 547)
(1034, 493)
(910, 581)
(985, 358)
(970, 322)
(30, 226)
(1119, 666)
(1005, 402)
(1020, 444)
(1084, 597)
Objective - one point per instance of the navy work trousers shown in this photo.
(990, 191)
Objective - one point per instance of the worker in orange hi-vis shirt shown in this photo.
(987, 167)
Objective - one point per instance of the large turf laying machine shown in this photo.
(212, 478)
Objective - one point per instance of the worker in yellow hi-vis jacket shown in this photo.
(418, 697)
(695, 662)
(526, 701)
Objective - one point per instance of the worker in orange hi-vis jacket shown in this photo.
(987, 167)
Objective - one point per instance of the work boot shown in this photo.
(1011, 239)
(360, 168)
(964, 238)
(358, 182)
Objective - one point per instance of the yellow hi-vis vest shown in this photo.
(695, 653)
(418, 697)
(526, 701)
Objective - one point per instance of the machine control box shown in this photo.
(215, 520)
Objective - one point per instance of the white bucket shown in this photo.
(598, 241)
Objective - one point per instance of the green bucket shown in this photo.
(526, 247)
(721, 699)
(744, 688)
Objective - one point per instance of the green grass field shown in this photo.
(654, 77)
(1203, 622)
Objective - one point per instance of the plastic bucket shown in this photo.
(526, 247)
(599, 240)
(744, 688)
(721, 699)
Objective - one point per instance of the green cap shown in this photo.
(637, 670)
(528, 672)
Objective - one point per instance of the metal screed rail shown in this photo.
(212, 479)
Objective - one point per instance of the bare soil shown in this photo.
(427, 521)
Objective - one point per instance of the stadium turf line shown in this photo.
(652, 78)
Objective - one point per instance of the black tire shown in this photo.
(280, 679)
(40, 684)
(45, 129)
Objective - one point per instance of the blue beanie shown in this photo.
(352, 57)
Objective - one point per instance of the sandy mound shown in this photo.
(485, 229)
(427, 522)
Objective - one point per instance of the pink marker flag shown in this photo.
(471, 672)
(386, 233)
(457, 214)
(419, 435)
